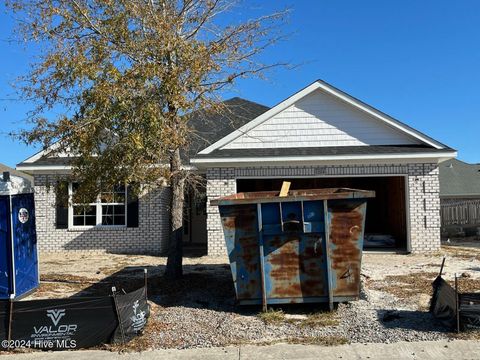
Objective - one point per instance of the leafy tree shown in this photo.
(124, 76)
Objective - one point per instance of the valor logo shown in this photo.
(138, 319)
(23, 215)
(56, 330)
(56, 315)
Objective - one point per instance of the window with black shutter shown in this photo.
(115, 208)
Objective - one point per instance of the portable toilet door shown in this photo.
(18, 239)
(24, 237)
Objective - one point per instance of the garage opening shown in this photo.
(386, 223)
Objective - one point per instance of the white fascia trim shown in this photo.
(43, 167)
(68, 167)
(301, 94)
(272, 159)
(42, 153)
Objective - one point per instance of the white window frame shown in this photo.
(98, 216)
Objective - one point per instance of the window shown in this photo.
(113, 207)
(107, 209)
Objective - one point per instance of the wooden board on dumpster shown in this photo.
(285, 189)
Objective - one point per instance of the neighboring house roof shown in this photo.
(14, 172)
(459, 179)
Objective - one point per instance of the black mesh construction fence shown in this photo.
(452, 311)
(72, 323)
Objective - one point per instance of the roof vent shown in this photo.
(450, 166)
(6, 176)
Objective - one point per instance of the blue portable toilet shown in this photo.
(19, 274)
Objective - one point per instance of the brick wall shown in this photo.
(423, 192)
(150, 237)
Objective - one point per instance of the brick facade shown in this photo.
(150, 237)
(423, 192)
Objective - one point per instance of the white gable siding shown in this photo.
(320, 120)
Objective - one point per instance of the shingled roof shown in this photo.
(4, 168)
(459, 179)
(322, 151)
(211, 127)
(207, 128)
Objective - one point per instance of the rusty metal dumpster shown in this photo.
(302, 248)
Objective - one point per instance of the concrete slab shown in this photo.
(398, 351)
(230, 353)
(432, 350)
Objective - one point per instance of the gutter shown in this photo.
(282, 159)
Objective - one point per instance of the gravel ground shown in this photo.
(376, 317)
(199, 310)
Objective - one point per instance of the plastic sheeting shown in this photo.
(443, 303)
(73, 323)
(443, 306)
(469, 311)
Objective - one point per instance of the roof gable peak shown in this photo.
(338, 94)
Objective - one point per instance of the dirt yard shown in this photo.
(199, 310)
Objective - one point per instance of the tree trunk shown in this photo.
(175, 247)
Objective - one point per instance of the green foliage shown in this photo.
(124, 75)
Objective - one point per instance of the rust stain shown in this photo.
(240, 222)
(296, 271)
(285, 268)
(248, 256)
(345, 228)
(312, 282)
(240, 218)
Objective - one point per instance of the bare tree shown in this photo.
(124, 75)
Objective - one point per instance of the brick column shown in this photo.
(220, 182)
(424, 201)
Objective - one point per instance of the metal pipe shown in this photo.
(327, 255)
(145, 275)
(262, 257)
(441, 268)
(10, 319)
(457, 306)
